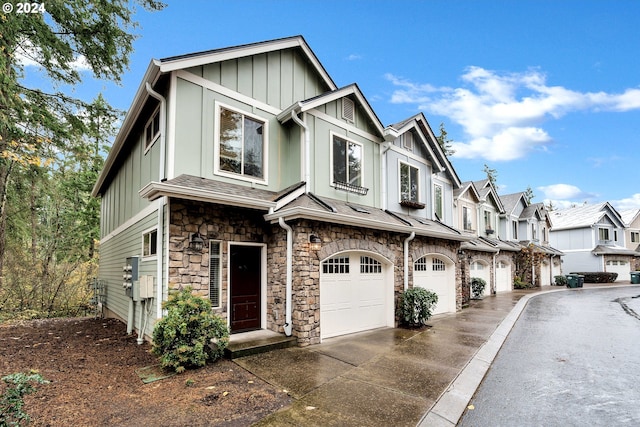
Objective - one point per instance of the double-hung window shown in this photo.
(603, 234)
(241, 144)
(409, 183)
(635, 237)
(347, 161)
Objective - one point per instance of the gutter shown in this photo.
(406, 259)
(288, 298)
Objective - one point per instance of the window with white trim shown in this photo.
(466, 219)
(409, 183)
(152, 130)
(337, 265)
(370, 265)
(437, 200)
(242, 144)
(347, 161)
(635, 236)
(514, 225)
(603, 233)
(214, 273)
(149, 243)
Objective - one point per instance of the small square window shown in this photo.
(152, 130)
(149, 243)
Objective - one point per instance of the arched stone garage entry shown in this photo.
(356, 293)
(481, 269)
(437, 273)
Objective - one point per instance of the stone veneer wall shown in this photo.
(213, 222)
(227, 224)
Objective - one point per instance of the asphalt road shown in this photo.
(572, 359)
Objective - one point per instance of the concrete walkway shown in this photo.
(393, 376)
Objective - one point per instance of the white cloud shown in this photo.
(501, 113)
(27, 55)
(632, 202)
(561, 191)
(354, 57)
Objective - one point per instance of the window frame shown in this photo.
(349, 141)
(400, 193)
(149, 142)
(438, 202)
(603, 234)
(635, 236)
(152, 244)
(216, 149)
(217, 285)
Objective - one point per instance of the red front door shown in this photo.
(245, 279)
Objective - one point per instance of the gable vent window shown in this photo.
(214, 274)
(407, 141)
(348, 109)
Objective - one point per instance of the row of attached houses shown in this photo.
(247, 174)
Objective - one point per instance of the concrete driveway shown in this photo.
(388, 376)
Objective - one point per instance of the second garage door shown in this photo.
(438, 275)
(355, 294)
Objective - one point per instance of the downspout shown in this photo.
(495, 276)
(307, 151)
(383, 173)
(163, 200)
(406, 259)
(288, 298)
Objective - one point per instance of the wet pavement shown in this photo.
(392, 376)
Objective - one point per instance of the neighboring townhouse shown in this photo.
(486, 256)
(419, 184)
(539, 261)
(631, 219)
(246, 173)
(592, 237)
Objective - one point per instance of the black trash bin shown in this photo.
(580, 280)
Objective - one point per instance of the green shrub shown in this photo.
(518, 283)
(560, 280)
(598, 277)
(190, 334)
(415, 305)
(11, 401)
(477, 287)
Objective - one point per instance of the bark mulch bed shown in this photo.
(92, 365)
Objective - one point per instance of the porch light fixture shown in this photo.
(195, 242)
(314, 242)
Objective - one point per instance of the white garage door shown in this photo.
(355, 295)
(503, 277)
(623, 268)
(439, 276)
(481, 270)
(545, 273)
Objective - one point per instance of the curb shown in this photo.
(452, 403)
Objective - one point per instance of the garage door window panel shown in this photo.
(338, 265)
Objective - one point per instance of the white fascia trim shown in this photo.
(338, 218)
(130, 222)
(208, 84)
(249, 50)
(289, 198)
(350, 128)
(154, 190)
(150, 76)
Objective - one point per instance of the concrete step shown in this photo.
(256, 342)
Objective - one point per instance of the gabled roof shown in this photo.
(629, 216)
(510, 201)
(157, 68)
(584, 216)
(352, 89)
(394, 131)
(467, 187)
(422, 122)
(613, 250)
(486, 189)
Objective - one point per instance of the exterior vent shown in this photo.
(348, 109)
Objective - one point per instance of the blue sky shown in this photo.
(545, 92)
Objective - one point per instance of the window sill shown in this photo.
(412, 204)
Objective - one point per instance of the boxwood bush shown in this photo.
(477, 287)
(560, 280)
(190, 334)
(415, 306)
(597, 277)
